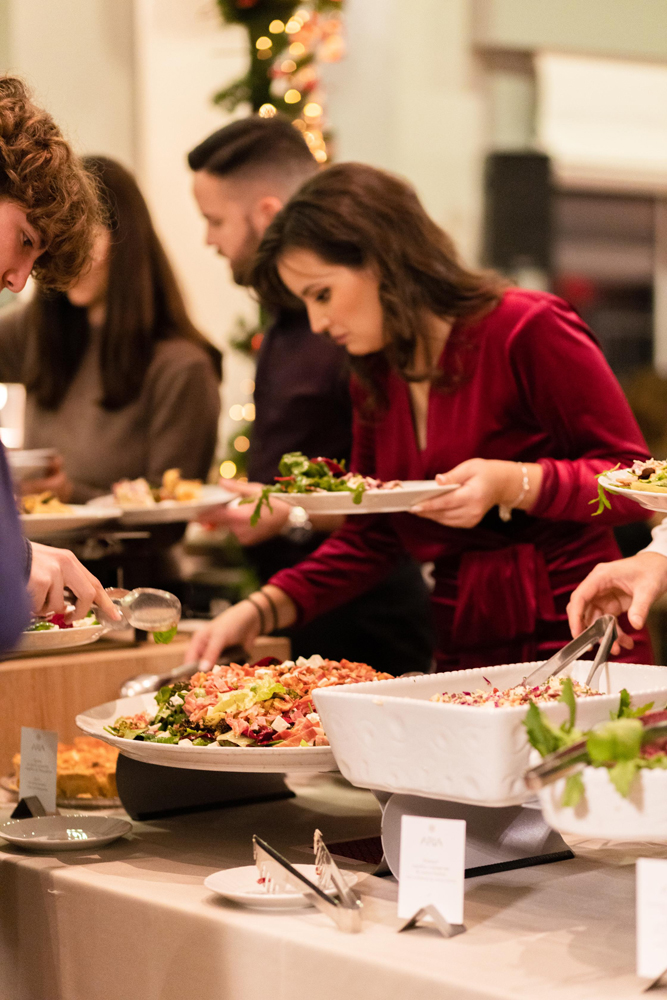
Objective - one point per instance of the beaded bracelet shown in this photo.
(505, 510)
(260, 611)
(274, 609)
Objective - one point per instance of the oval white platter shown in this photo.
(241, 886)
(394, 501)
(79, 516)
(651, 500)
(64, 833)
(212, 758)
(604, 814)
(60, 638)
(166, 511)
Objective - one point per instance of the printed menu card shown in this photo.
(39, 763)
(432, 868)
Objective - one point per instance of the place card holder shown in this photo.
(658, 983)
(30, 807)
(439, 922)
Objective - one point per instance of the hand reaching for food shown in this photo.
(55, 482)
(54, 569)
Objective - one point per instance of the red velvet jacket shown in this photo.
(536, 389)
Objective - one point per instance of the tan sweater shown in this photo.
(173, 423)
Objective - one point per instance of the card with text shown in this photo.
(433, 853)
(39, 764)
(651, 916)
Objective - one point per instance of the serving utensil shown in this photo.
(329, 873)
(553, 765)
(144, 608)
(147, 683)
(603, 628)
(280, 875)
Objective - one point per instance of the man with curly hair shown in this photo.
(49, 211)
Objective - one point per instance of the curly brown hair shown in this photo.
(41, 173)
(358, 216)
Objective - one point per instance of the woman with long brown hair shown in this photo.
(49, 210)
(118, 379)
(463, 379)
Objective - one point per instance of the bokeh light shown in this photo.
(236, 412)
(249, 412)
(241, 443)
(228, 469)
(292, 96)
(276, 27)
(267, 111)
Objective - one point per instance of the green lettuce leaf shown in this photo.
(567, 696)
(622, 775)
(165, 637)
(541, 734)
(574, 791)
(615, 741)
(625, 710)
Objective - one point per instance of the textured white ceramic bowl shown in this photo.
(388, 736)
(605, 814)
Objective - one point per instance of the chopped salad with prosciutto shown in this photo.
(266, 705)
(299, 474)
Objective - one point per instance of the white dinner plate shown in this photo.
(64, 833)
(645, 498)
(394, 501)
(78, 516)
(167, 511)
(241, 886)
(278, 760)
(60, 638)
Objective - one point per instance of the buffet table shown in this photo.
(135, 920)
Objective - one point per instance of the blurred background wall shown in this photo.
(534, 130)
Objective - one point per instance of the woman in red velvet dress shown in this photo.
(455, 377)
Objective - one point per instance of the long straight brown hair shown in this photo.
(358, 216)
(144, 305)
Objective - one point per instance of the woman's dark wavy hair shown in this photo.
(144, 305)
(358, 216)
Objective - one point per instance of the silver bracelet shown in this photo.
(505, 510)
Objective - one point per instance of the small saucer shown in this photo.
(64, 833)
(241, 885)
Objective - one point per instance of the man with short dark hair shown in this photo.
(243, 175)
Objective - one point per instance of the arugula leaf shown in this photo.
(165, 637)
(602, 499)
(294, 463)
(625, 710)
(622, 775)
(541, 734)
(616, 741)
(567, 696)
(574, 791)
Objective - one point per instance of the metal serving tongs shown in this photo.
(147, 683)
(604, 629)
(344, 910)
(552, 767)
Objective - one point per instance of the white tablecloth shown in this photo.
(135, 921)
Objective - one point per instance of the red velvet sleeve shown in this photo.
(572, 391)
(353, 559)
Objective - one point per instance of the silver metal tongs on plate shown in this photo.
(604, 629)
(279, 874)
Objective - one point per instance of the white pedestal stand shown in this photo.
(496, 839)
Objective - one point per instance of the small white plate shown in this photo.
(394, 501)
(645, 498)
(64, 833)
(241, 886)
(79, 516)
(60, 638)
(167, 511)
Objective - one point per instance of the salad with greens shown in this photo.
(299, 474)
(267, 704)
(632, 740)
(55, 622)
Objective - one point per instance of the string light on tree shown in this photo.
(267, 111)
(228, 469)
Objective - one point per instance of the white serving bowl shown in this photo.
(604, 814)
(388, 736)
